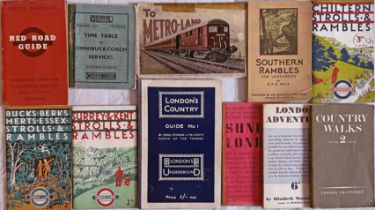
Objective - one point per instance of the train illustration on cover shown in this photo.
(210, 42)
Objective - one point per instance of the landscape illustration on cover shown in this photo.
(278, 31)
(111, 168)
(39, 174)
(104, 151)
(334, 61)
(192, 39)
(343, 64)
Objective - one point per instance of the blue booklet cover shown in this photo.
(181, 143)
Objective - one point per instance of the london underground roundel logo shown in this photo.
(343, 89)
(32, 41)
(40, 197)
(105, 197)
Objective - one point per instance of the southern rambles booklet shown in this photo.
(105, 157)
(242, 154)
(34, 50)
(192, 39)
(279, 51)
(180, 143)
(343, 51)
(38, 158)
(342, 156)
(101, 46)
(286, 168)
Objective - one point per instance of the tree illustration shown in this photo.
(15, 151)
(321, 62)
(331, 53)
(264, 40)
(356, 60)
(370, 65)
(344, 54)
(362, 64)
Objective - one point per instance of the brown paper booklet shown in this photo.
(342, 156)
(280, 51)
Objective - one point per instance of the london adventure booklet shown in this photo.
(286, 168)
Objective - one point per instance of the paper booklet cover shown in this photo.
(104, 157)
(195, 40)
(242, 154)
(101, 46)
(286, 168)
(343, 156)
(279, 51)
(343, 51)
(38, 158)
(34, 50)
(180, 144)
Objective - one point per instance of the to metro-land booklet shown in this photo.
(242, 154)
(286, 155)
(104, 157)
(342, 155)
(101, 46)
(279, 51)
(196, 39)
(38, 158)
(34, 50)
(343, 51)
(180, 144)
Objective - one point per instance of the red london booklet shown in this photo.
(34, 53)
(242, 154)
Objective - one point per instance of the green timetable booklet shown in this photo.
(101, 46)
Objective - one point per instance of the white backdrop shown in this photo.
(234, 89)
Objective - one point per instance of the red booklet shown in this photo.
(34, 53)
(242, 154)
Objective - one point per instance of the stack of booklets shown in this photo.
(303, 138)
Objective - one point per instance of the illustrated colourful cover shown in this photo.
(101, 43)
(279, 51)
(2, 162)
(104, 153)
(192, 39)
(343, 47)
(38, 158)
(180, 144)
(34, 50)
(242, 154)
(342, 156)
(286, 155)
